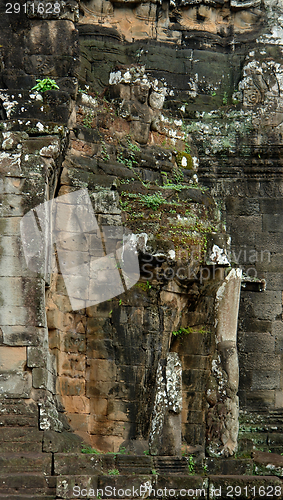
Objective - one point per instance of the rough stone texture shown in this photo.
(224, 382)
(165, 432)
(193, 90)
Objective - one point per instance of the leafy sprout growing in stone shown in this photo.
(45, 84)
(113, 472)
(191, 465)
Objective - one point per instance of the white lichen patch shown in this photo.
(174, 382)
(7, 104)
(51, 151)
(218, 256)
(40, 126)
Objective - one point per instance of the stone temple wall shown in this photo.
(224, 83)
(173, 99)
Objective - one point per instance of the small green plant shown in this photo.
(154, 472)
(124, 205)
(87, 120)
(213, 93)
(203, 330)
(182, 331)
(152, 201)
(85, 90)
(187, 148)
(225, 99)
(106, 156)
(131, 146)
(146, 452)
(99, 496)
(191, 465)
(113, 472)
(120, 302)
(122, 450)
(45, 84)
(89, 449)
(204, 468)
(144, 286)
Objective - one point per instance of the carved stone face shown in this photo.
(140, 92)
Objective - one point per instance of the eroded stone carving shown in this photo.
(165, 433)
(222, 417)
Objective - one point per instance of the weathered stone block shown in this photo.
(265, 379)
(10, 226)
(62, 36)
(79, 422)
(271, 263)
(268, 242)
(247, 323)
(14, 266)
(197, 344)
(68, 486)
(106, 202)
(23, 335)
(272, 223)
(195, 362)
(11, 165)
(274, 281)
(40, 357)
(99, 406)
(194, 434)
(71, 463)
(101, 370)
(15, 385)
(74, 342)
(12, 358)
(43, 379)
(61, 442)
(76, 404)
(26, 462)
(277, 328)
(195, 379)
(100, 349)
(129, 373)
(261, 361)
(196, 417)
(242, 206)
(71, 364)
(67, 386)
(11, 185)
(54, 319)
(244, 228)
(124, 411)
(100, 425)
(279, 399)
(256, 343)
(267, 306)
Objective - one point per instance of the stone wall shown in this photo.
(188, 91)
(33, 140)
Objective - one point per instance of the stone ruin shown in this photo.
(166, 131)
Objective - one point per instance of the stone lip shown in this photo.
(265, 458)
